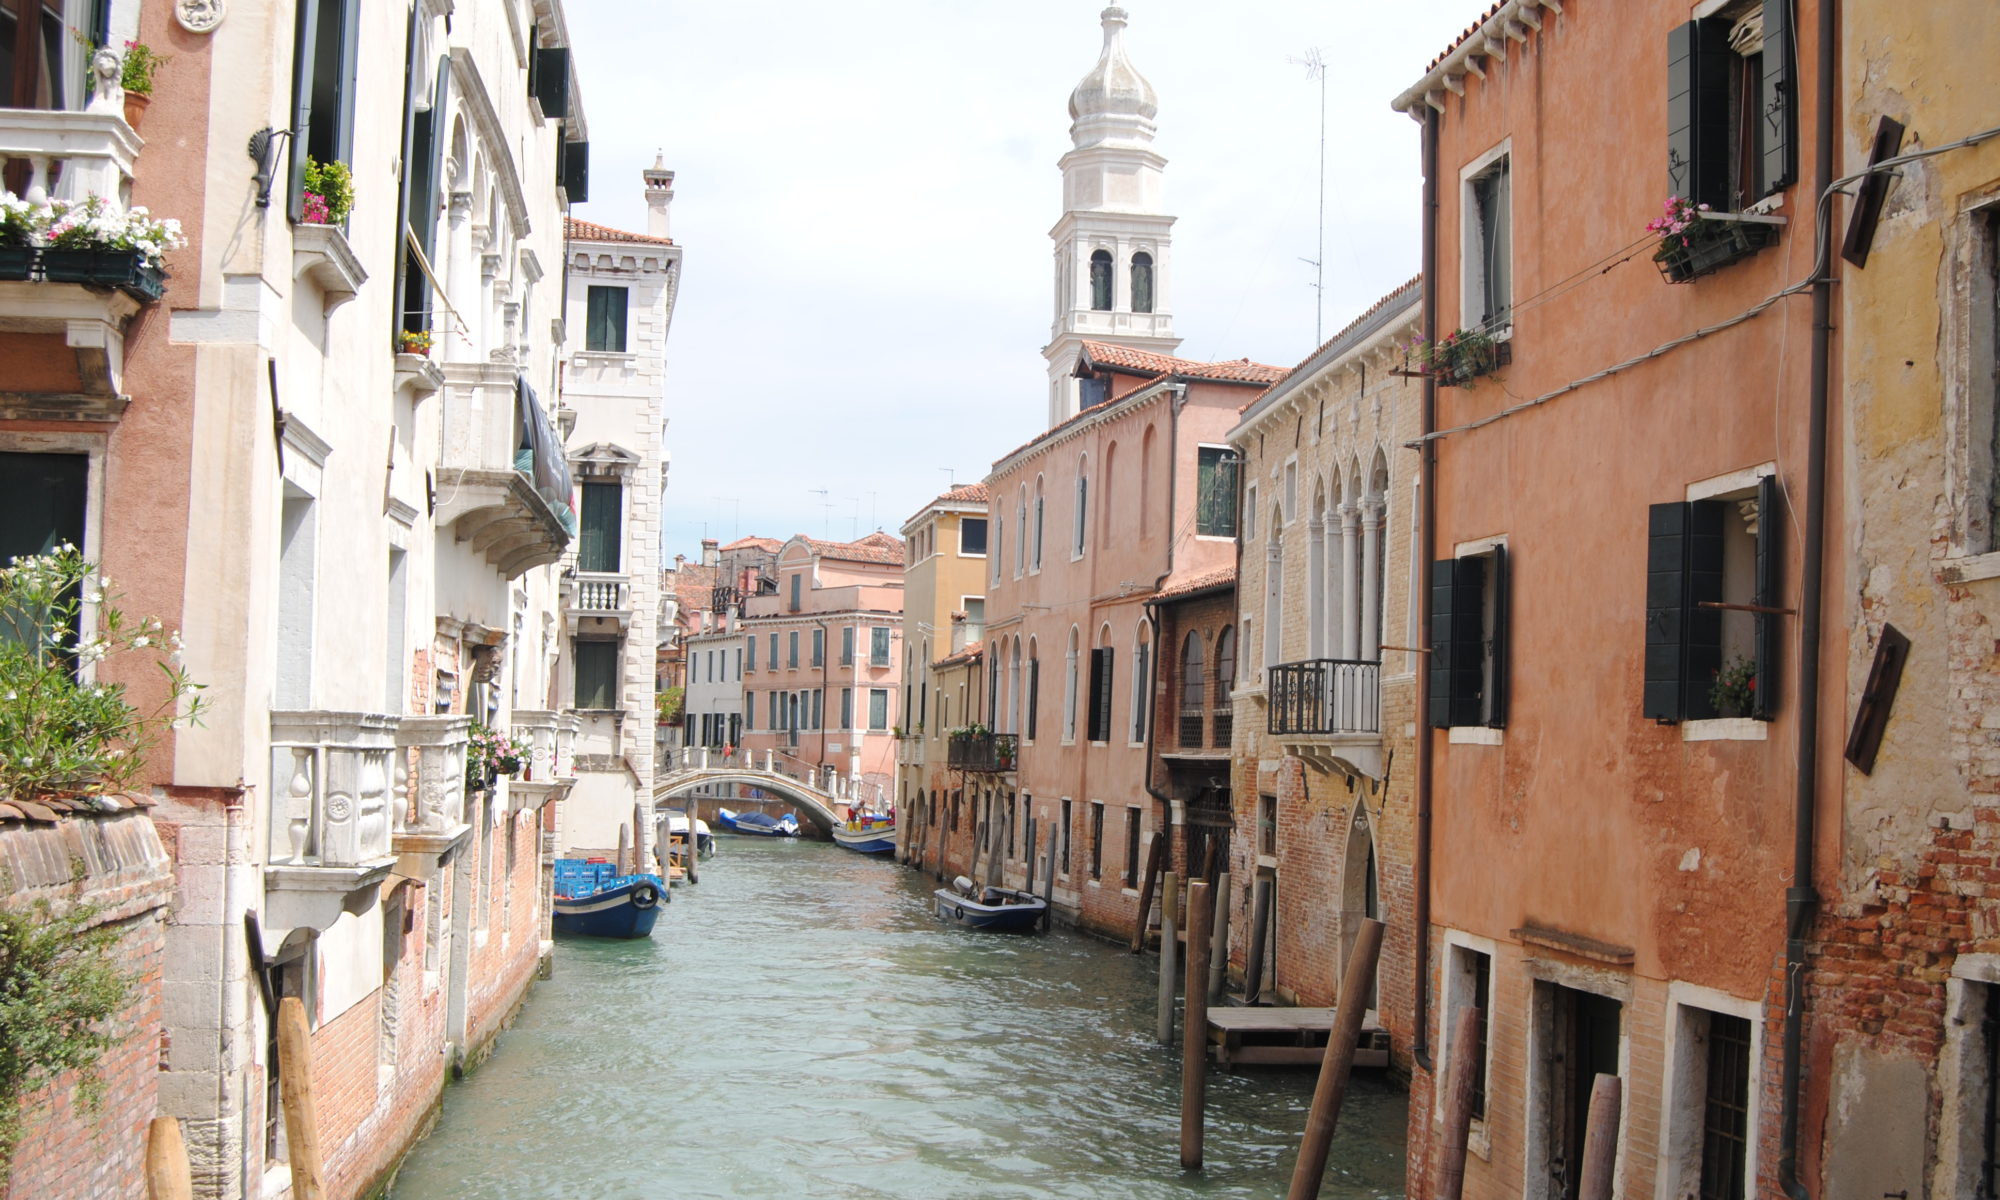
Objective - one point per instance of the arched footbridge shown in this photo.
(816, 791)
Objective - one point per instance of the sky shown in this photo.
(864, 191)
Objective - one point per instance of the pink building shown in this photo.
(821, 662)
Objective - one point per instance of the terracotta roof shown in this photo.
(1195, 583)
(1145, 362)
(760, 543)
(971, 651)
(877, 547)
(964, 493)
(588, 231)
(694, 587)
(1405, 294)
(1471, 29)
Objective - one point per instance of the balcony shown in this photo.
(1328, 711)
(546, 739)
(601, 594)
(982, 752)
(331, 821)
(68, 154)
(503, 484)
(430, 784)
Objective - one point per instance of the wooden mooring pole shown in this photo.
(1153, 857)
(167, 1173)
(1600, 1139)
(694, 841)
(1194, 1026)
(1218, 952)
(1170, 887)
(295, 1092)
(1467, 1048)
(1355, 986)
(1260, 933)
(1049, 879)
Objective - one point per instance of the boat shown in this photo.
(593, 900)
(677, 828)
(974, 907)
(867, 834)
(758, 824)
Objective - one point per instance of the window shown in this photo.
(796, 585)
(42, 502)
(1034, 693)
(774, 651)
(1487, 248)
(323, 61)
(1100, 280)
(596, 674)
(819, 647)
(847, 645)
(777, 721)
(1215, 492)
(604, 327)
(1267, 826)
(1142, 694)
(1977, 340)
(750, 644)
(598, 543)
(1725, 1123)
(792, 649)
(972, 536)
(1131, 846)
(1020, 535)
(974, 608)
(1470, 985)
(1250, 512)
(818, 708)
(878, 646)
(49, 72)
(1720, 550)
(1037, 561)
(1225, 686)
(419, 200)
(298, 572)
(1468, 681)
(1082, 510)
(1142, 282)
(1100, 694)
(847, 708)
(878, 708)
(1069, 691)
(1730, 106)
(1096, 839)
(1091, 391)
(1192, 689)
(1582, 1043)
(999, 542)
(1274, 595)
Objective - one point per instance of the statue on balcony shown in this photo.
(107, 89)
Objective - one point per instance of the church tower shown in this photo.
(1114, 245)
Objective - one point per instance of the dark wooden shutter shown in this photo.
(551, 82)
(304, 55)
(405, 193)
(1034, 694)
(1702, 656)
(1780, 116)
(1468, 648)
(1442, 600)
(575, 174)
(599, 541)
(1666, 593)
(1767, 633)
(1098, 726)
(1698, 60)
(1496, 704)
(349, 35)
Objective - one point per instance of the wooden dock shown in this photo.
(1288, 1037)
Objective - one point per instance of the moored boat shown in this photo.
(677, 828)
(867, 834)
(593, 900)
(1007, 909)
(758, 824)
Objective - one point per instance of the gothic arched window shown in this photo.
(1100, 280)
(1142, 282)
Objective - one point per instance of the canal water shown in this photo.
(801, 1025)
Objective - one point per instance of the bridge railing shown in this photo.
(820, 777)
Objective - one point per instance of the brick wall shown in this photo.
(503, 965)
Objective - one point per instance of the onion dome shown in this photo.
(1114, 86)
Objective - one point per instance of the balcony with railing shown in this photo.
(982, 752)
(503, 483)
(332, 827)
(545, 739)
(601, 594)
(430, 783)
(1328, 711)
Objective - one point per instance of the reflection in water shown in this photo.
(800, 1025)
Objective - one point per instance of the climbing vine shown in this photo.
(58, 992)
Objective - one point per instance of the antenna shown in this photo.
(1315, 64)
(950, 477)
(826, 507)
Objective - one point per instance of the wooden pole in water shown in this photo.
(1600, 1139)
(1170, 886)
(167, 1173)
(1218, 953)
(1049, 879)
(295, 1092)
(1260, 932)
(1194, 1031)
(694, 842)
(1338, 1063)
(1467, 1049)
(1153, 863)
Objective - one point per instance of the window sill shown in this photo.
(1970, 568)
(1129, 891)
(1476, 735)
(1726, 729)
(321, 253)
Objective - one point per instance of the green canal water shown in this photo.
(801, 1025)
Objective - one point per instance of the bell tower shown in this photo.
(1114, 244)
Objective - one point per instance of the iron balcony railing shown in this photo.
(1326, 695)
(982, 752)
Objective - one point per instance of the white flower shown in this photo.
(141, 642)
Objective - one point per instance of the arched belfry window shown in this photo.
(1100, 280)
(1142, 282)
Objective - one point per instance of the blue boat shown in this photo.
(593, 900)
(758, 824)
(989, 908)
(867, 835)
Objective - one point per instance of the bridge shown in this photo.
(815, 791)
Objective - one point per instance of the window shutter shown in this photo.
(1770, 560)
(344, 95)
(1468, 648)
(1780, 114)
(1703, 626)
(1496, 704)
(1034, 694)
(1698, 56)
(575, 171)
(551, 83)
(405, 193)
(1442, 598)
(305, 52)
(599, 540)
(1100, 725)
(1666, 590)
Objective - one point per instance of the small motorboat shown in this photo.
(677, 829)
(758, 824)
(867, 834)
(1007, 909)
(593, 900)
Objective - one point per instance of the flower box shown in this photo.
(1714, 242)
(123, 269)
(17, 262)
(1461, 369)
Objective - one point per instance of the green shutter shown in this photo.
(1698, 63)
(573, 171)
(1468, 638)
(552, 81)
(599, 541)
(1443, 597)
(1770, 594)
(1703, 626)
(1666, 592)
(304, 54)
(1780, 94)
(604, 328)
(596, 674)
(1034, 693)
(1496, 704)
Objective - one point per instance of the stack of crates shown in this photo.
(578, 877)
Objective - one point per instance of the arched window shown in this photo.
(1100, 280)
(1069, 689)
(1225, 686)
(1142, 282)
(1082, 506)
(1034, 690)
(1014, 691)
(1036, 560)
(1142, 690)
(1191, 691)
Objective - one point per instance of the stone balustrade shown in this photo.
(70, 155)
(331, 795)
(430, 775)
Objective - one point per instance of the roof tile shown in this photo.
(590, 231)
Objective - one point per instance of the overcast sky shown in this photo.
(865, 188)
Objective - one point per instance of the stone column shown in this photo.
(1318, 596)
(1371, 578)
(459, 277)
(1350, 581)
(489, 275)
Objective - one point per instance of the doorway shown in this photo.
(1579, 1041)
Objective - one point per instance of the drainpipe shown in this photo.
(1801, 899)
(1426, 550)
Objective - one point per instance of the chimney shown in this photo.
(711, 553)
(659, 197)
(680, 560)
(960, 632)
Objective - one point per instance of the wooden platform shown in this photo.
(1288, 1037)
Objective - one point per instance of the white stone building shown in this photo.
(621, 289)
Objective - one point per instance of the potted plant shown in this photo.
(1694, 240)
(18, 231)
(1459, 357)
(414, 341)
(1734, 691)
(84, 241)
(488, 755)
(136, 76)
(329, 193)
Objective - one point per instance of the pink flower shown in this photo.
(316, 211)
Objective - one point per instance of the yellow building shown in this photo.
(944, 611)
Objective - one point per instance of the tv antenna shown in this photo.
(826, 507)
(1315, 64)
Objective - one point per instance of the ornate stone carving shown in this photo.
(199, 16)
